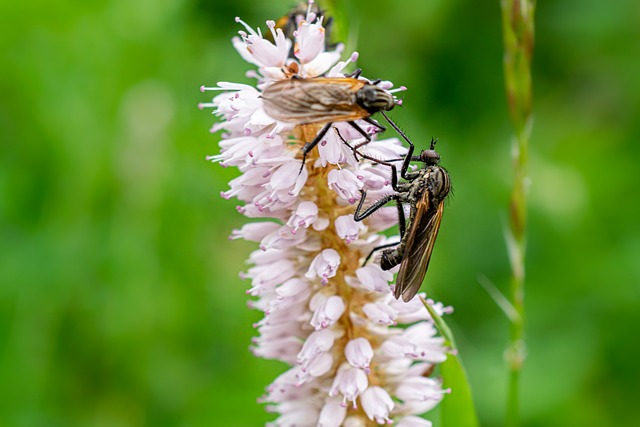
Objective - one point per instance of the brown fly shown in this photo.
(425, 191)
(326, 100)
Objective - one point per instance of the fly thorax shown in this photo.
(438, 182)
(374, 99)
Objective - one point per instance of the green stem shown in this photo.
(518, 37)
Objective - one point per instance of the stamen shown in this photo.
(310, 15)
(398, 89)
(251, 30)
(272, 27)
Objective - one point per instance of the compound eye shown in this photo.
(370, 94)
(430, 156)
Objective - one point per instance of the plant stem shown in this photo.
(518, 37)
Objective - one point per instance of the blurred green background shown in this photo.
(120, 302)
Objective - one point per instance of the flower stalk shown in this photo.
(518, 38)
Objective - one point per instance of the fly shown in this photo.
(326, 100)
(425, 191)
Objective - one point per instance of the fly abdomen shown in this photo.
(390, 258)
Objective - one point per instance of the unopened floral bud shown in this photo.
(282, 238)
(254, 231)
(318, 342)
(379, 313)
(291, 288)
(345, 183)
(418, 342)
(347, 228)
(317, 367)
(359, 353)
(374, 279)
(324, 265)
(333, 413)
(349, 382)
(377, 404)
(305, 215)
(327, 312)
(332, 150)
(418, 390)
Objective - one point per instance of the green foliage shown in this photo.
(457, 409)
(120, 302)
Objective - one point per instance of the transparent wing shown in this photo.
(317, 100)
(421, 239)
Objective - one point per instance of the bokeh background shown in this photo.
(120, 302)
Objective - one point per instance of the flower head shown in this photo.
(333, 320)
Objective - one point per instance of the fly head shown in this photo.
(374, 99)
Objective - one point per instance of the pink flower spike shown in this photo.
(307, 246)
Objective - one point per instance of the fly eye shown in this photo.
(370, 94)
(430, 156)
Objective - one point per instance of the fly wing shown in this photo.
(318, 100)
(421, 238)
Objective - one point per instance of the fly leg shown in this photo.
(355, 74)
(308, 146)
(358, 215)
(408, 156)
(356, 153)
(367, 137)
(376, 249)
(355, 148)
(365, 134)
(402, 226)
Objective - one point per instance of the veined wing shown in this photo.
(421, 239)
(318, 100)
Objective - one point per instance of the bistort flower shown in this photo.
(333, 320)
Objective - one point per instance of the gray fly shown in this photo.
(425, 191)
